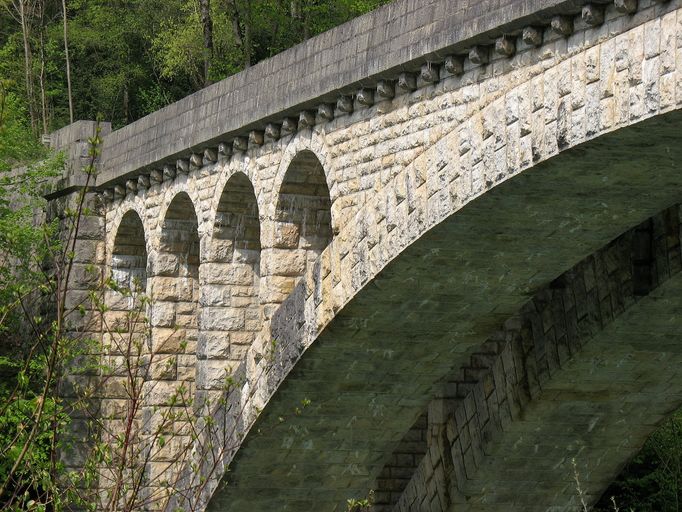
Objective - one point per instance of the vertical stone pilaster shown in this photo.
(79, 383)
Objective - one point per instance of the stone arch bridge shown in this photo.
(459, 221)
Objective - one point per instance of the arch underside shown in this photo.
(371, 373)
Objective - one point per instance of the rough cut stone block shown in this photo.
(289, 125)
(182, 166)
(505, 46)
(210, 156)
(479, 55)
(454, 64)
(365, 97)
(429, 73)
(306, 119)
(196, 160)
(532, 36)
(593, 14)
(562, 25)
(385, 90)
(256, 137)
(225, 149)
(626, 6)
(272, 131)
(326, 111)
(143, 181)
(240, 144)
(168, 173)
(407, 82)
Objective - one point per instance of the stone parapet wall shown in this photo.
(398, 37)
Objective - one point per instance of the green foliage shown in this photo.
(17, 143)
(360, 505)
(132, 57)
(25, 240)
(652, 480)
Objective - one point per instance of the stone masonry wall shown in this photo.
(374, 178)
(510, 370)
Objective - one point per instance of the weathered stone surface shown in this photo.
(430, 72)
(306, 119)
(272, 131)
(627, 6)
(505, 46)
(479, 55)
(256, 137)
(345, 104)
(385, 90)
(407, 81)
(326, 111)
(365, 97)
(240, 144)
(454, 64)
(289, 125)
(593, 14)
(380, 248)
(562, 25)
(532, 36)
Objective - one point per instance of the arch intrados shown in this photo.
(304, 169)
(130, 224)
(178, 208)
(237, 213)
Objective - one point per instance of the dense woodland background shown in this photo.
(127, 58)
(63, 60)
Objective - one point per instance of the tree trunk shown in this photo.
(126, 103)
(41, 76)
(241, 34)
(68, 62)
(247, 35)
(207, 24)
(306, 24)
(28, 65)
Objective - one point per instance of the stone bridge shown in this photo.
(459, 222)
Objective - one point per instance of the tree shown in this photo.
(652, 480)
(23, 11)
(67, 60)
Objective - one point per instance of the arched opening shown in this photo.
(129, 254)
(302, 221)
(125, 320)
(230, 315)
(174, 318)
(125, 336)
(175, 293)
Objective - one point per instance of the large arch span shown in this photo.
(382, 359)
(386, 246)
